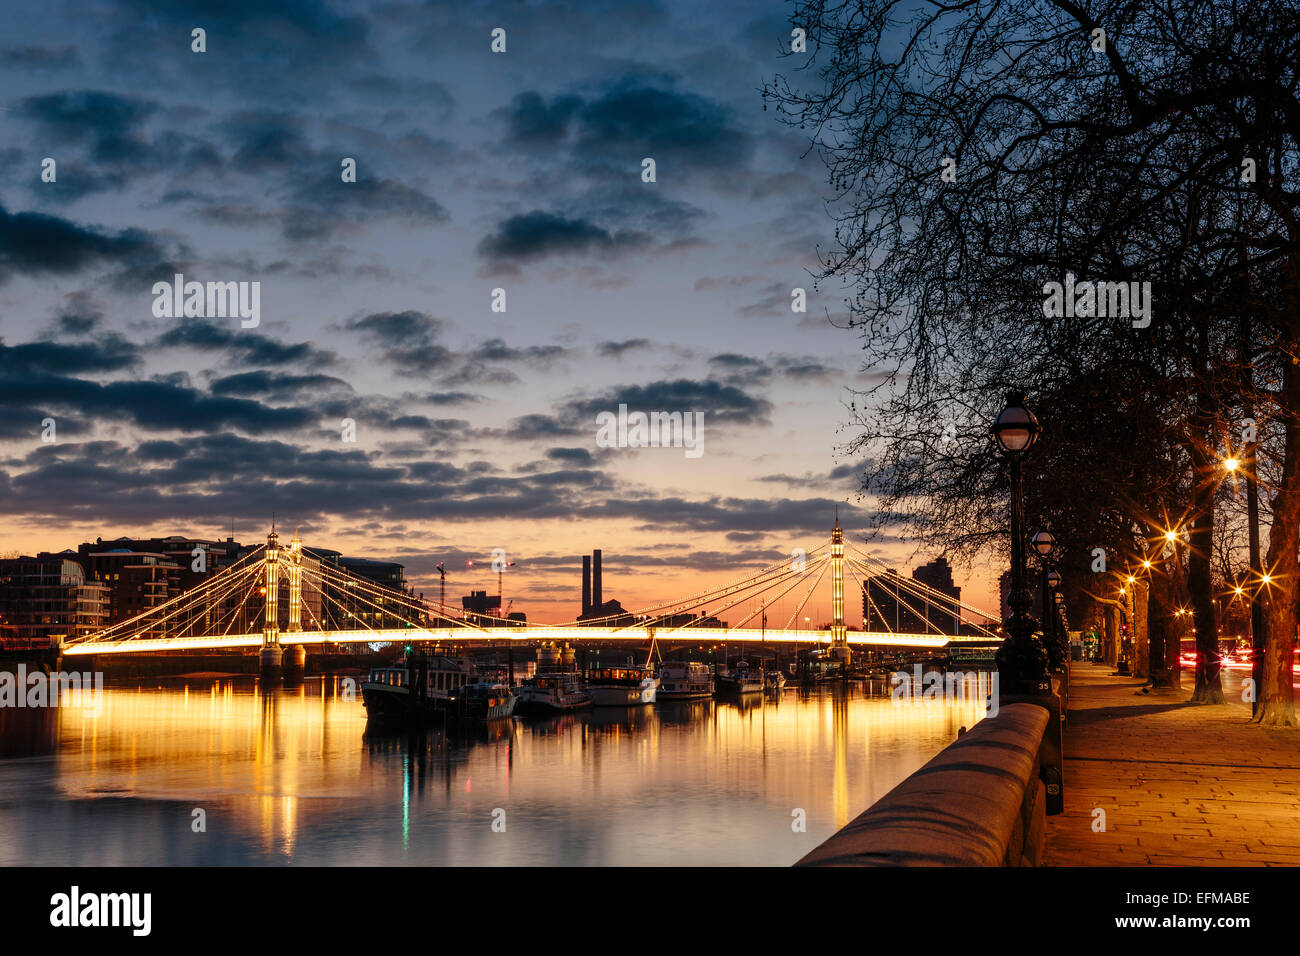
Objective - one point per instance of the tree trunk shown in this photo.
(1209, 687)
(1138, 633)
(1277, 700)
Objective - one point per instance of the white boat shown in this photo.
(553, 693)
(684, 680)
(740, 681)
(626, 686)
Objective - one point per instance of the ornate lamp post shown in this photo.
(1044, 542)
(1054, 635)
(1021, 659)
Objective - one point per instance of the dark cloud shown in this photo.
(630, 118)
(34, 359)
(279, 386)
(538, 234)
(573, 456)
(720, 403)
(451, 398)
(531, 120)
(157, 404)
(33, 242)
(616, 349)
(397, 329)
(536, 426)
(80, 315)
(736, 369)
(541, 356)
(108, 125)
(243, 345)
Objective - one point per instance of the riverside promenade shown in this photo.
(1181, 784)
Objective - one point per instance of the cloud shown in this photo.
(397, 329)
(538, 234)
(531, 120)
(32, 242)
(541, 356)
(244, 346)
(157, 404)
(35, 359)
(108, 125)
(632, 116)
(617, 349)
(572, 456)
(278, 386)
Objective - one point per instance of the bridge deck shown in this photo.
(135, 645)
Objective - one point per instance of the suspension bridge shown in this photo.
(225, 611)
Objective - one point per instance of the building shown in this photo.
(890, 605)
(371, 594)
(137, 581)
(595, 609)
(50, 595)
(180, 549)
(938, 575)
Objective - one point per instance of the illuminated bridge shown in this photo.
(217, 613)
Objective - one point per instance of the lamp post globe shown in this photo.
(1044, 542)
(1053, 580)
(1016, 428)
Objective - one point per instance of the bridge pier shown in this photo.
(294, 661)
(271, 662)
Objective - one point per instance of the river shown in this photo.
(220, 772)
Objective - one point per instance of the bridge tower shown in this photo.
(295, 655)
(839, 632)
(295, 583)
(272, 654)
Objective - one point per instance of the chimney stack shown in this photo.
(597, 597)
(586, 584)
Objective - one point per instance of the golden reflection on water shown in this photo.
(290, 776)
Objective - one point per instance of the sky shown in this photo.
(476, 171)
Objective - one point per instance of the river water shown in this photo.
(204, 772)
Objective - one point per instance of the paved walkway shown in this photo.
(1180, 784)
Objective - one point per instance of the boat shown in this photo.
(684, 680)
(556, 692)
(773, 681)
(623, 686)
(420, 690)
(740, 681)
(489, 700)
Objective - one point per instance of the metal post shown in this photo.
(1020, 655)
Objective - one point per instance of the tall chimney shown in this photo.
(586, 584)
(597, 598)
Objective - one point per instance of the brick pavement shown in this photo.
(1180, 784)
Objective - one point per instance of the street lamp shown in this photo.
(1021, 658)
(1044, 541)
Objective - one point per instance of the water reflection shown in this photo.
(293, 775)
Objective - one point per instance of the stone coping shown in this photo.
(974, 804)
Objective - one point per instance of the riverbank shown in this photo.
(1178, 784)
